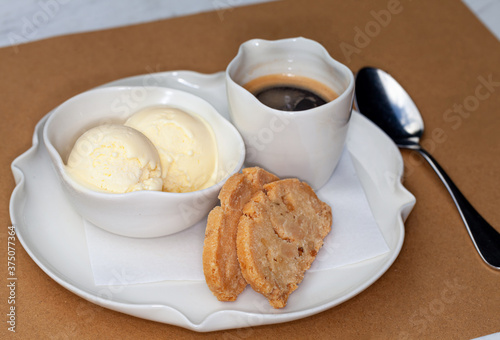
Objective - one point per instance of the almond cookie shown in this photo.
(220, 263)
(279, 234)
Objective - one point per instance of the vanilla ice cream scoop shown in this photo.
(116, 159)
(186, 145)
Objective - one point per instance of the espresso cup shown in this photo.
(304, 144)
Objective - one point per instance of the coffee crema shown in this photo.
(289, 92)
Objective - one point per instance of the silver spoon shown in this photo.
(379, 97)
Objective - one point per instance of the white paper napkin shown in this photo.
(355, 237)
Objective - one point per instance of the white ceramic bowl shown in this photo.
(141, 213)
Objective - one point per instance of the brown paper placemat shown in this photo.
(437, 288)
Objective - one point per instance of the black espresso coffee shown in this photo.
(290, 92)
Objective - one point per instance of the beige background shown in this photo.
(437, 288)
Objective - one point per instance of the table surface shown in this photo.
(29, 20)
(440, 52)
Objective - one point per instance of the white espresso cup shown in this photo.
(304, 144)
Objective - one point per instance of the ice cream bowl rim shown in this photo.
(140, 214)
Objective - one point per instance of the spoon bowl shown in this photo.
(383, 100)
(379, 92)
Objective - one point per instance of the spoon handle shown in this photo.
(485, 238)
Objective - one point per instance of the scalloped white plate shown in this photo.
(53, 233)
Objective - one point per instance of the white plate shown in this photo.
(53, 233)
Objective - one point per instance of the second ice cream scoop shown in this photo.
(186, 145)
